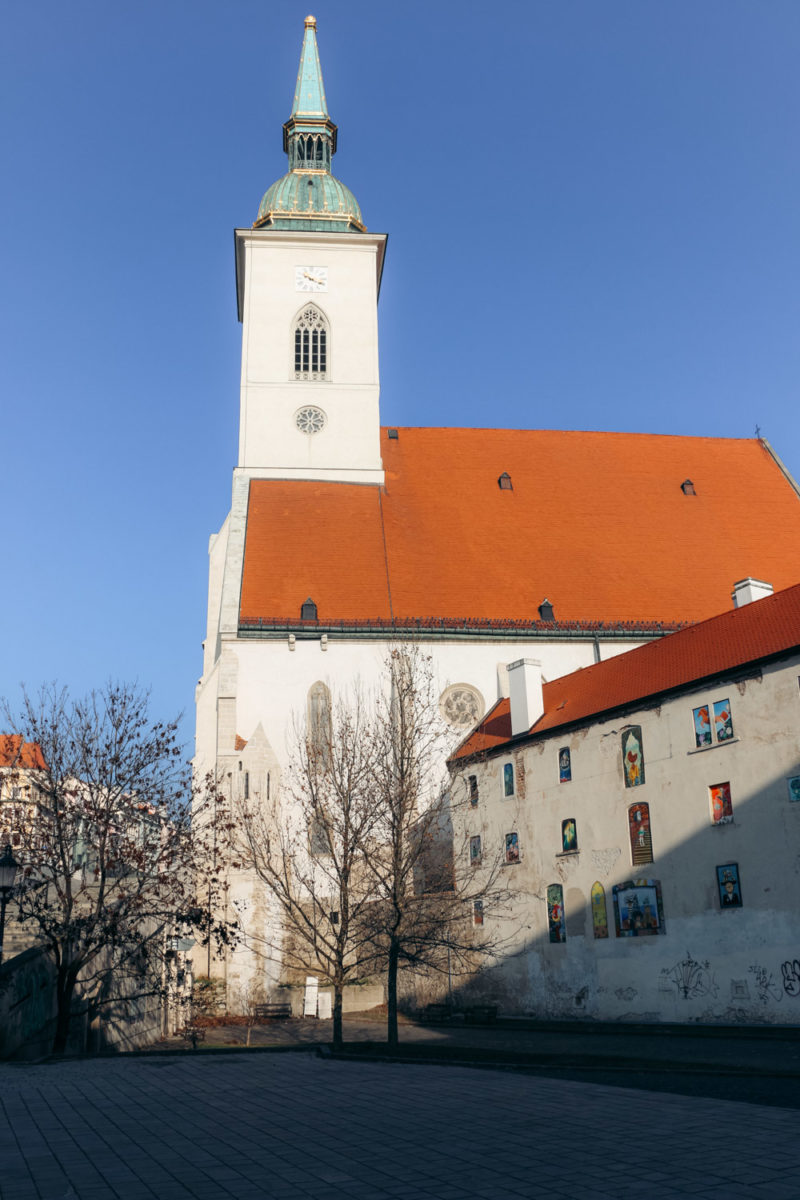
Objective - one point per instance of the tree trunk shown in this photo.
(338, 991)
(65, 987)
(391, 989)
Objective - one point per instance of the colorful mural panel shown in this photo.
(564, 765)
(555, 913)
(638, 910)
(702, 726)
(599, 913)
(730, 891)
(512, 848)
(569, 835)
(477, 912)
(640, 834)
(721, 803)
(508, 779)
(723, 724)
(794, 788)
(633, 756)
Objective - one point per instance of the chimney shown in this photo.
(525, 692)
(747, 590)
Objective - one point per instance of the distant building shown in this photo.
(647, 812)
(485, 545)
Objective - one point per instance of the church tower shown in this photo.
(308, 276)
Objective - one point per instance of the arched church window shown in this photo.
(320, 725)
(311, 345)
(301, 149)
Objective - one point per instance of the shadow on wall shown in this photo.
(28, 1013)
(708, 931)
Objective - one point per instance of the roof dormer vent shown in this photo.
(546, 611)
(308, 611)
(504, 482)
(687, 487)
(393, 435)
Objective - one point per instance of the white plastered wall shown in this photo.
(710, 964)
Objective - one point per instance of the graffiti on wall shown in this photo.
(766, 985)
(791, 976)
(690, 978)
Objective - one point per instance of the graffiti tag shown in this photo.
(691, 978)
(765, 983)
(791, 977)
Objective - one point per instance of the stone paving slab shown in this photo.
(292, 1126)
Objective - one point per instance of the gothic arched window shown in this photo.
(310, 345)
(320, 723)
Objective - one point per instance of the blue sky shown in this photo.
(592, 210)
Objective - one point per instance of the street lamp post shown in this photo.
(8, 873)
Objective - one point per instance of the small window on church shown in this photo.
(311, 345)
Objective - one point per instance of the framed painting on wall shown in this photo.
(555, 913)
(730, 891)
(638, 910)
(632, 756)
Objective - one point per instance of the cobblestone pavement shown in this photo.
(292, 1126)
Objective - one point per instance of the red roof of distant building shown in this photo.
(14, 752)
(760, 630)
(595, 522)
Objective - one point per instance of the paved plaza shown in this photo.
(295, 1125)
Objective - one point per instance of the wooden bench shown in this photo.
(480, 1014)
(273, 1012)
(437, 1013)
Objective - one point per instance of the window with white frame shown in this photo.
(712, 723)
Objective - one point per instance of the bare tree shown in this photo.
(312, 860)
(426, 894)
(102, 826)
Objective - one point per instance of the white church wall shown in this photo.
(270, 441)
(274, 680)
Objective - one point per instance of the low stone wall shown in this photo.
(124, 1021)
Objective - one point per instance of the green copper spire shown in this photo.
(309, 92)
(309, 196)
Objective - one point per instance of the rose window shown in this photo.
(310, 419)
(461, 705)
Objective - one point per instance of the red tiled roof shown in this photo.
(596, 522)
(16, 753)
(759, 630)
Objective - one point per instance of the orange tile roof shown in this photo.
(760, 630)
(16, 753)
(596, 522)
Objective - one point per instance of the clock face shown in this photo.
(311, 279)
